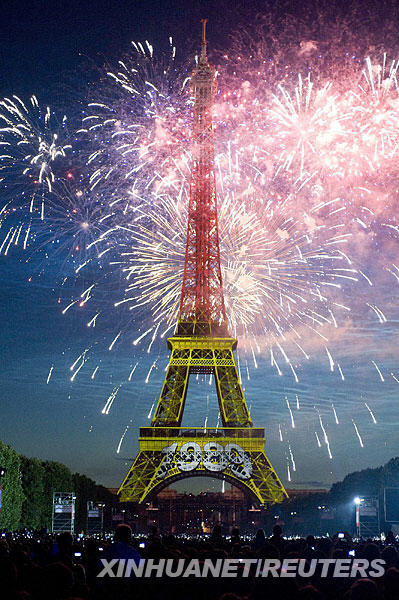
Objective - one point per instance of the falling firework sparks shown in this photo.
(132, 372)
(288, 471)
(110, 400)
(50, 373)
(151, 409)
(371, 413)
(32, 151)
(292, 458)
(326, 440)
(335, 414)
(358, 434)
(291, 413)
(122, 438)
(378, 371)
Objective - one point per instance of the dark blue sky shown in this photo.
(43, 41)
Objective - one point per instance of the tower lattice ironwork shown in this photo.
(202, 344)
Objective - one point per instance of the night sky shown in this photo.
(52, 49)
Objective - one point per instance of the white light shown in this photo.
(357, 500)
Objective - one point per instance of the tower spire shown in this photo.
(203, 57)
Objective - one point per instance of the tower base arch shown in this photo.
(169, 454)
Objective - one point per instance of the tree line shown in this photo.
(28, 486)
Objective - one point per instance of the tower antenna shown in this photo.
(203, 43)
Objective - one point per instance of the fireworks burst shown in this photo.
(32, 151)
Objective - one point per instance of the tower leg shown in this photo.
(171, 402)
(233, 408)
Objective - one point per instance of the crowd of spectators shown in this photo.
(40, 566)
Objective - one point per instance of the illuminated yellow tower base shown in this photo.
(233, 452)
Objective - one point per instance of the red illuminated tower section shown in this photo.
(202, 310)
(202, 345)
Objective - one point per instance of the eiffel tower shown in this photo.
(202, 344)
